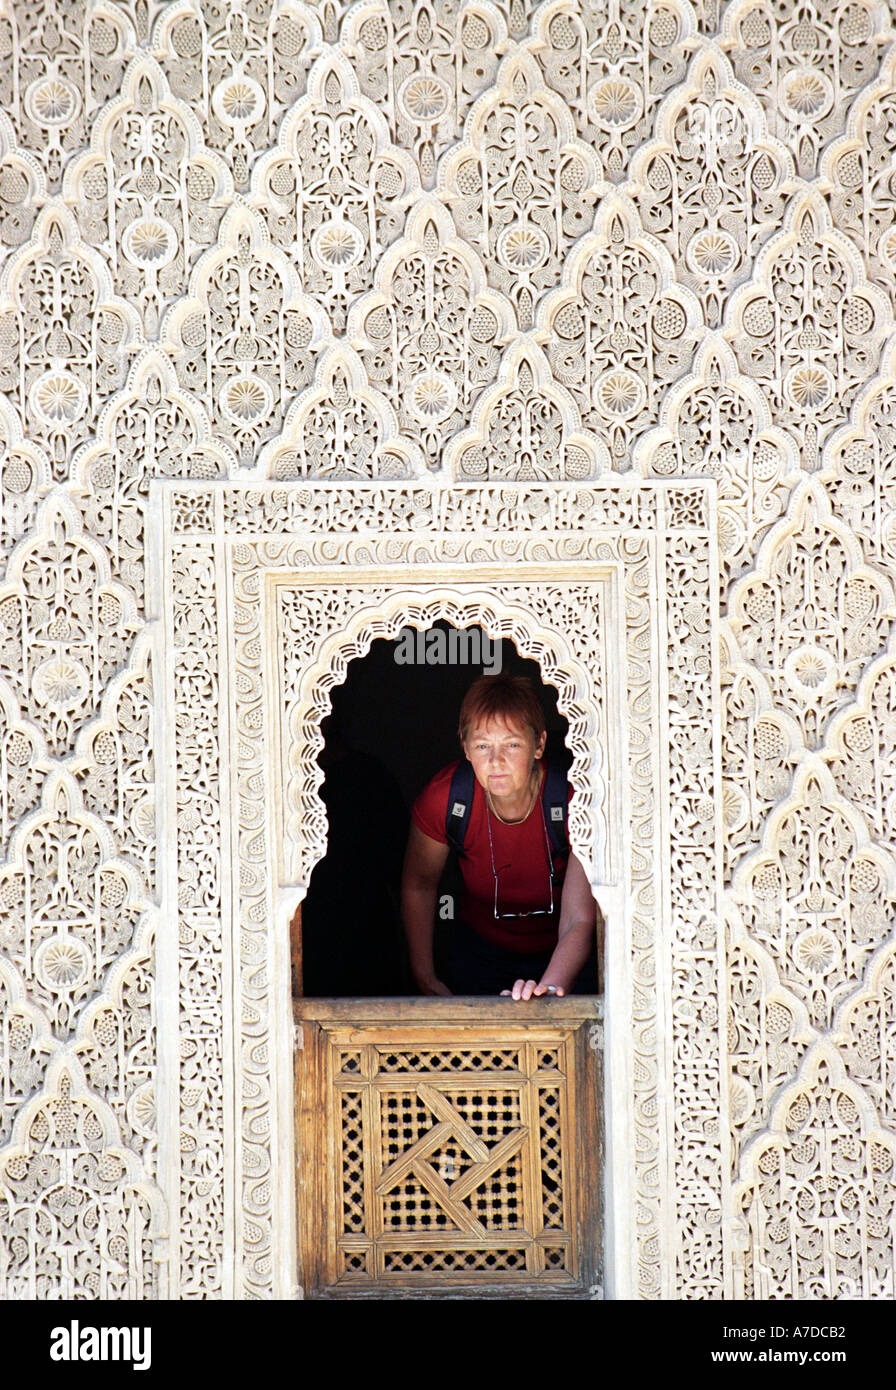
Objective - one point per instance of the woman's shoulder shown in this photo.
(430, 807)
(439, 785)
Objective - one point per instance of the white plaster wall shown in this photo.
(474, 243)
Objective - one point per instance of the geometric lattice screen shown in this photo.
(447, 1151)
(475, 242)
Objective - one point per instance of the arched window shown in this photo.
(465, 1132)
(393, 724)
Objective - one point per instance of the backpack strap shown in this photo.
(555, 803)
(460, 804)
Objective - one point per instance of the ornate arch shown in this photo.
(269, 590)
(384, 617)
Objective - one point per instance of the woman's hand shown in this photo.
(575, 937)
(528, 989)
(433, 985)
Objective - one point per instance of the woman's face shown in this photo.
(502, 755)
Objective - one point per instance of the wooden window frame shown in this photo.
(533, 1234)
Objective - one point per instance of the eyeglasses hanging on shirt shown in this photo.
(538, 911)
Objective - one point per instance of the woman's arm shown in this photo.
(575, 934)
(424, 861)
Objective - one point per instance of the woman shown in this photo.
(528, 918)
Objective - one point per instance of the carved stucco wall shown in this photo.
(480, 243)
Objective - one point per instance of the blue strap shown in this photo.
(460, 804)
(555, 801)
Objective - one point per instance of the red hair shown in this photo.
(511, 698)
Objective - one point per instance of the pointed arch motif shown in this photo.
(865, 1034)
(334, 191)
(116, 1044)
(341, 428)
(856, 169)
(148, 193)
(818, 897)
(712, 183)
(151, 428)
(71, 906)
(812, 613)
(612, 65)
(68, 335)
(240, 68)
(809, 327)
(858, 466)
(805, 63)
(860, 748)
(65, 626)
(769, 1034)
(431, 332)
(619, 327)
(66, 64)
(521, 184)
(23, 187)
(80, 1216)
(114, 761)
(762, 747)
(246, 336)
(823, 1158)
(425, 66)
(526, 428)
(717, 423)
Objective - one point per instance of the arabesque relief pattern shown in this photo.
(475, 242)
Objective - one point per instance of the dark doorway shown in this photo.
(394, 725)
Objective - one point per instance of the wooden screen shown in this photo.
(448, 1147)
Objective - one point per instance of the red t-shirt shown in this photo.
(521, 860)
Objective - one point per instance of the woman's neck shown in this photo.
(511, 810)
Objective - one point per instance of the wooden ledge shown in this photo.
(458, 1009)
